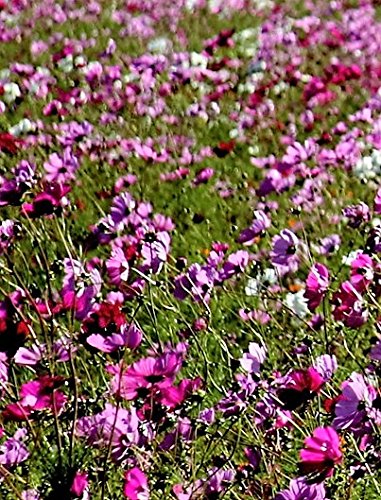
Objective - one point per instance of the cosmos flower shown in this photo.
(321, 453)
(300, 489)
(136, 485)
(316, 285)
(284, 252)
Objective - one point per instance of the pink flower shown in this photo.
(136, 485)
(251, 361)
(377, 202)
(146, 376)
(322, 452)
(79, 484)
(316, 285)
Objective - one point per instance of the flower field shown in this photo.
(190, 249)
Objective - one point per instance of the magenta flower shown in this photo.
(136, 485)
(349, 306)
(377, 202)
(38, 394)
(316, 285)
(128, 336)
(362, 272)
(146, 376)
(322, 452)
(284, 253)
(117, 267)
(300, 386)
(79, 484)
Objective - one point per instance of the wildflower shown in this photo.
(283, 254)
(260, 223)
(326, 366)
(79, 484)
(299, 386)
(321, 453)
(117, 266)
(300, 489)
(355, 403)
(357, 214)
(316, 285)
(297, 303)
(61, 169)
(349, 306)
(146, 376)
(252, 360)
(136, 485)
(13, 451)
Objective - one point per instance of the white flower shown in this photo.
(198, 60)
(11, 92)
(66, 64)
(254, 285)
(159, 45)
(367, 167)
(22, 127)
(297, 303)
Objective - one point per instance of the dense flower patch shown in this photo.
(190, 249)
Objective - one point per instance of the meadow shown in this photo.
(190, 249)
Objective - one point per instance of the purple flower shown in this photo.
(357, 214)
(121, 208)
(13, 451)
(198, 282)
(300, 489)
(116, 426)
(260, 223)
(117, 267)
(155, 250)
(283, 254)
(326, 366)
(355, 403)
(128, 336)
(329, 244)
(61, 169)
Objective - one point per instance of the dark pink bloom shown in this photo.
(316, 285)
(39, 394)
(146, 376)
(136, 485)
(322, 452)
(299, 387)
(362, 272)
(79, 484)
(349, 306)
